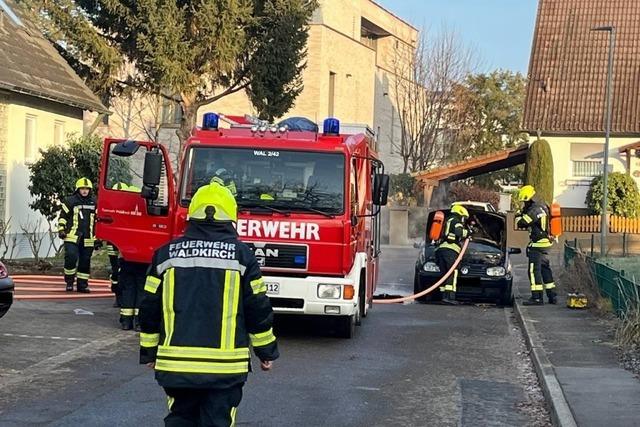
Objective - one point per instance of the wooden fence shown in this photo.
(591, 224)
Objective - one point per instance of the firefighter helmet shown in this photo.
(84, 183)
(460, 210)
(215, 202)
(526, 193)
(120, 186)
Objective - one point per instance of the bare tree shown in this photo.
(138, 115)
(34, 236)
(7, 243)
(423, 84)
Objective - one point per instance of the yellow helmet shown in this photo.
(526, 193)
(120, 186)
(460, 210)
(213, 201)
(83, 183)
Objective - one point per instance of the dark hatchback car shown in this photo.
(485, 270)
(6, 290)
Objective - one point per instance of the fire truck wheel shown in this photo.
(346, 326)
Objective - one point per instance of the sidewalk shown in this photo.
(577, 364)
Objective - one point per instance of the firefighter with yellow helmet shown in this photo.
(535, 216)
(204, 307)
(76, 227)
(455, 231)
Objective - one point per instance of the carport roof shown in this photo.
(477, 166)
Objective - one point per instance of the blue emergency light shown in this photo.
(331, 126)
(210, 121)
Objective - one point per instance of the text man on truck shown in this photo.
(308, 207)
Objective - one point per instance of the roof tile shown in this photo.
(568, 67)
(30, 64)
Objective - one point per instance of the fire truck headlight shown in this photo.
(327, 291)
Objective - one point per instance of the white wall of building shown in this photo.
(571, 190)
(45, 124)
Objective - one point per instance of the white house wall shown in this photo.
(570, 191)
(17, 195)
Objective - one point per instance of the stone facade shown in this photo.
(352, 45)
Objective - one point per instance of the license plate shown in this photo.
(273, 288)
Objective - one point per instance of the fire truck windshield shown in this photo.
(274, 180)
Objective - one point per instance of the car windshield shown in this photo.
(267, 179)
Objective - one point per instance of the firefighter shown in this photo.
(225, 178)
(535, 217)
(204, 305)
(76, 228)
(455, 231)
(114, 260)
(131, 281)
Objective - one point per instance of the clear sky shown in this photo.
(500, 31)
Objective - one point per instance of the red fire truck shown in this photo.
(308, 203)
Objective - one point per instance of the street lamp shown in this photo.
(605, 189)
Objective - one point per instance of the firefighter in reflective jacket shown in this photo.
(455, 231)
(225, 178)
(76, 228)
(535, 217)
(204, 306)
(129, 280)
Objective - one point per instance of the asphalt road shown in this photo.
(409, 365)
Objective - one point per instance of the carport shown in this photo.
(470, 168)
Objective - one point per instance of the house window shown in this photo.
(30, 137)
(586, 159)
(583, 168)
(332, 93)
(171, 113)
(58, 132)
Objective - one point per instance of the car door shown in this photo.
(135, 225)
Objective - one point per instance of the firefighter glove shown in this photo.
(97, 245)
(62, 234)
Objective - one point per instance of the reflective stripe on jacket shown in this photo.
(204, 306)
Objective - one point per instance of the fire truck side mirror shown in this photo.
(152, 168)
(380, 189)
(126, 148)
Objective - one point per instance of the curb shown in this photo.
(561, 414)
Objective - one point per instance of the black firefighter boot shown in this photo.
(126, 322)
(552, 296)
(536, 299)
(69, 281)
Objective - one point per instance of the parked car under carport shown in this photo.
(485, 272)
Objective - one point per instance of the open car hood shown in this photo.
(490, 227)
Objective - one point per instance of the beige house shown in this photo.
(42, 100)
(351, 47)
(565, 102)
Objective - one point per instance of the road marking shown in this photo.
(367, 388)
(43, 337)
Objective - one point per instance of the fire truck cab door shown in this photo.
(135, 225)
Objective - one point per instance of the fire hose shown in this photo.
(433, 287)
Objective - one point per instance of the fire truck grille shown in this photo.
(273, 255)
